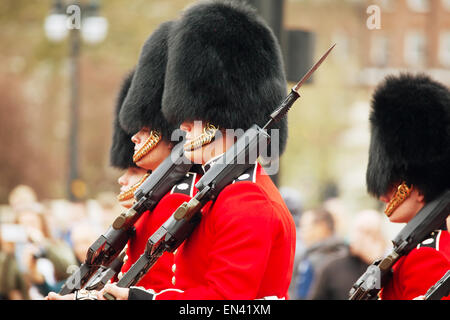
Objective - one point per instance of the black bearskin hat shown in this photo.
(122, 148)
(225, 67)
(142, 105)
(410, 136)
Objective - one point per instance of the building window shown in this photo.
(446, 4)
(419, 5)
(379, 50)
(415, 49)
(444, 48)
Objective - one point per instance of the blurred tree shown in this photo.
(34, 83)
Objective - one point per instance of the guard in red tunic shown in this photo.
(409, 166)
(140, 116)
(224, 72)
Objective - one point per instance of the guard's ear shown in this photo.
(420, 197)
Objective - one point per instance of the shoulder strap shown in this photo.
(186, 185)
(432, 241)
(249, 175)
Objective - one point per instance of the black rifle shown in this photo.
(104, 274)
(233, 163)
(430, 218)
(440, 289)
(108, 246)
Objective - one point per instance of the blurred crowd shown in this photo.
(42, 243)
(334, 247)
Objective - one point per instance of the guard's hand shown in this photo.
(55, 296)
(117, 292)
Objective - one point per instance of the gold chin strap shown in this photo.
(148, 146)
(403, 192)
(129, 194)
(205, 138)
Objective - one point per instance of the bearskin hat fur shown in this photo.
(410, 135)
(225, 67)
(142, 105)
(122, 148)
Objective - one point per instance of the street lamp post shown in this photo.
(92, 29)
(74, 113)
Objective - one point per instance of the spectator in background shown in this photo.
(294, 203)
(317, 231)
(45, 260)
(367, 240)
(13, 285)
(338, 209)
(83, 235)
(334, 204)
(109, 208)
(41, 258)
(366, 245)
(22, 195)
(64, 215)
(76, 212)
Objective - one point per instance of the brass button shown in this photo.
(174, 267)
(173, 280)
(125, 259)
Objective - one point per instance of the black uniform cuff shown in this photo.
(137, 293)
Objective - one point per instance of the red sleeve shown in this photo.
(243, 226)
(421, 269)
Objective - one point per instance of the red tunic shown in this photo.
(416, 272)
(160, 275)
(243, 248)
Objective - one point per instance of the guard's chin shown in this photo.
(147, 147)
